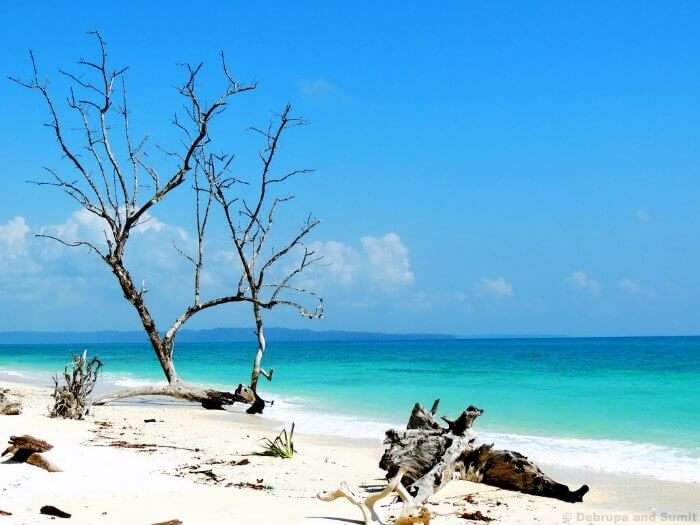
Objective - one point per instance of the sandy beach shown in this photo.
(452, 248)
(198, 466)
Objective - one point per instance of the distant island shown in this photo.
(213, 335)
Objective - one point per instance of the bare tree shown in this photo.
(122, 191)
(264, 279)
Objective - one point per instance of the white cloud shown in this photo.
(370, 267)
(83, 225)
(150, 254)
(80, 225)
(149, 224)
(383, 262)
(497, 287)
(630, 286)
(340, 261)
(317, 87)
(581, 281)
(389, 263)
(642, 216)
(13, 237)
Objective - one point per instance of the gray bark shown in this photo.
(209, 398)
(110, 188)
(430, 455)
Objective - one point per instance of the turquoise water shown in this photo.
(616, 392)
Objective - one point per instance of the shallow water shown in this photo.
(634, 400)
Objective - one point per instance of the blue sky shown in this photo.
(500, 168)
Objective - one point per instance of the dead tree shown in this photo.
(122, 190)
(250, 225)
(72, 398)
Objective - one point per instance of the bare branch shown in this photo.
(250, 240)
(308, 227)
(110, 186)
(289, 175)
(42, 88)
(72, 244)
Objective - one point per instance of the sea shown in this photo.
(616, 405)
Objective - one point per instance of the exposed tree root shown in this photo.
(422, 459)
(431, 456)
(72, 396)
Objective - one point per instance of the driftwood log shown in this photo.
(410, 514)
(7, 406)
(431, 455)
(422, 459)
(50, 510)
(208, 398)
(28, 449)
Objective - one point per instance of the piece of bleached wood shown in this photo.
(410, 512)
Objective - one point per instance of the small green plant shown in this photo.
(282, 446)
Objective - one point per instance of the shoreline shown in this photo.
(206, 440)
(622, 458)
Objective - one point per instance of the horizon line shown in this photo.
(423, 335)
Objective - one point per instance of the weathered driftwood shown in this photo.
(28, 443)
(512, 471)
(147, 447)
(422, 459)
(431, 455)
(72, 398)
(409, 514)
(50, 510)
(7, 406)
(28, 449)
(208, 398)
(169, 522)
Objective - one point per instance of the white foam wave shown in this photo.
(310, 421)
(29, 377)
(605, 455)
(597, 455)
(14, 373)
(130, 381)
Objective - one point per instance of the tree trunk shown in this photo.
(257, 362)
(163, 348)
(258, 404)
(512, 471)
(164, 351)
(430, 455)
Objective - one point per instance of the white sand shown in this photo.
(106, 485)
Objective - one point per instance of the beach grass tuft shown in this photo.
(282, 446)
